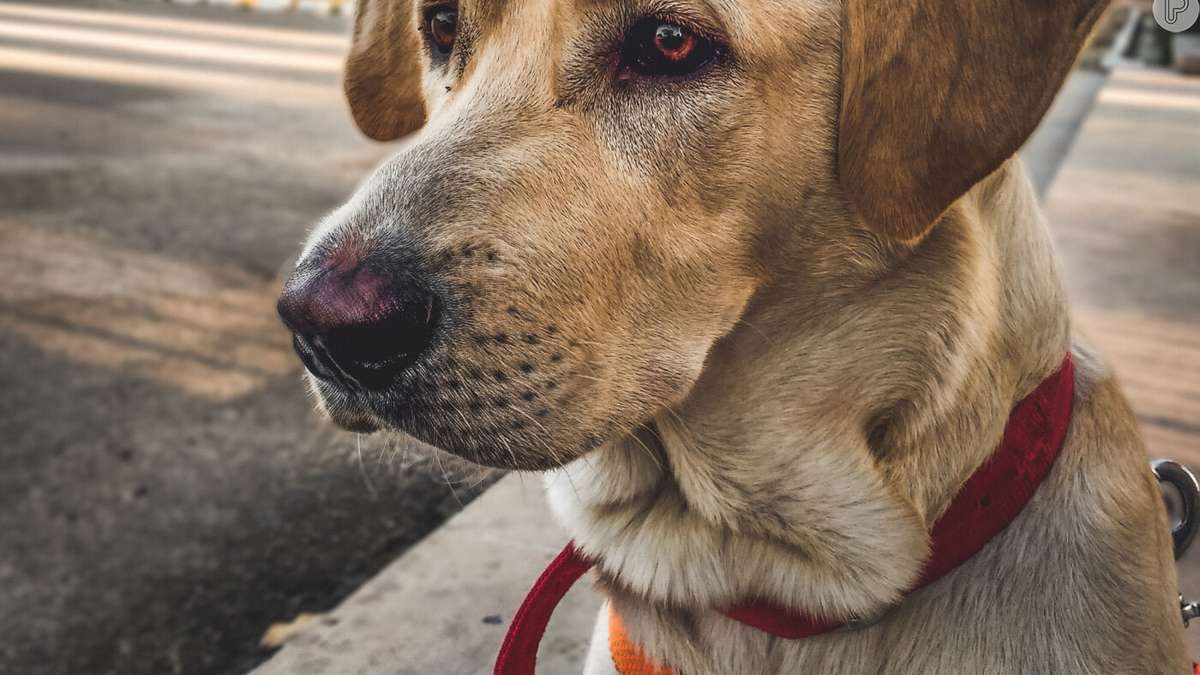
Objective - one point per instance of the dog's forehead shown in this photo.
(490, 13)
(755, 27)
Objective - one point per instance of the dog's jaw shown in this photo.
(669, 560)
(705, 550)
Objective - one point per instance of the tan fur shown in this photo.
(721, 311)
(1042, 598)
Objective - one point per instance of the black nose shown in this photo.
(355, 326)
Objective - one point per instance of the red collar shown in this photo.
(990, 499)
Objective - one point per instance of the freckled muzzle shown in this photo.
(416, 342)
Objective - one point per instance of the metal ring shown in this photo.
(1184, 482)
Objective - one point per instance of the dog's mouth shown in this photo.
(512, 417)
(353, 419)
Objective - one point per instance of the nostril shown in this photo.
(312, 362)
(401, 329)
(356, 326)
(374, 352)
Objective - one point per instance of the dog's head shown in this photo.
(592, 191)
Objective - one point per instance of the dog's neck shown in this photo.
(826, 434)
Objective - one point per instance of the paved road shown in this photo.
(165, 491)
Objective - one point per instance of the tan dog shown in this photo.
(760, 280)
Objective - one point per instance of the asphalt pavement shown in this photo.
(166, 491)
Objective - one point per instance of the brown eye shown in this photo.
(660, 48)
(674, 43)
(442, 23)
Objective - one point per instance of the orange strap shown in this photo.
(627, 656)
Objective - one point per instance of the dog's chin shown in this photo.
(511, 453)
(520, 462)
(534, 448)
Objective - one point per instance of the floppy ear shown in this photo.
(383, 70)
(936, 94)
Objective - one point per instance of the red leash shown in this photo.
(990, 499)
(518, 654)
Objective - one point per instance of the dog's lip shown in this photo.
(354, 421)
(343, 410)
(359, 425)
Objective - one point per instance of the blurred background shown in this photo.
(166, 492)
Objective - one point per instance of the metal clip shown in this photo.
(1184, 482)
(1182, 533)
(1189, 610)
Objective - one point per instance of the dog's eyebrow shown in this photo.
(709, 9)
(487, 12)
(481, 12)
(709, 14)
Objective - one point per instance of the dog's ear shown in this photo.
(936, 94)
(383, 70)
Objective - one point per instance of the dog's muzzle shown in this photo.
(354, 325)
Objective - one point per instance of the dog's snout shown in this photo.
(355, 325)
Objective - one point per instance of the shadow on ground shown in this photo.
(166, 492)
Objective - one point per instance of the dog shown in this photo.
(752, 282)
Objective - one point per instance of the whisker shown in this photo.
(438, 457)
(362, 469)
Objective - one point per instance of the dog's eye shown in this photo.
(441, 22)
(659, 48)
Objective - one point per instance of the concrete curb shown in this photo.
(1121, 45)
(444, 606)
